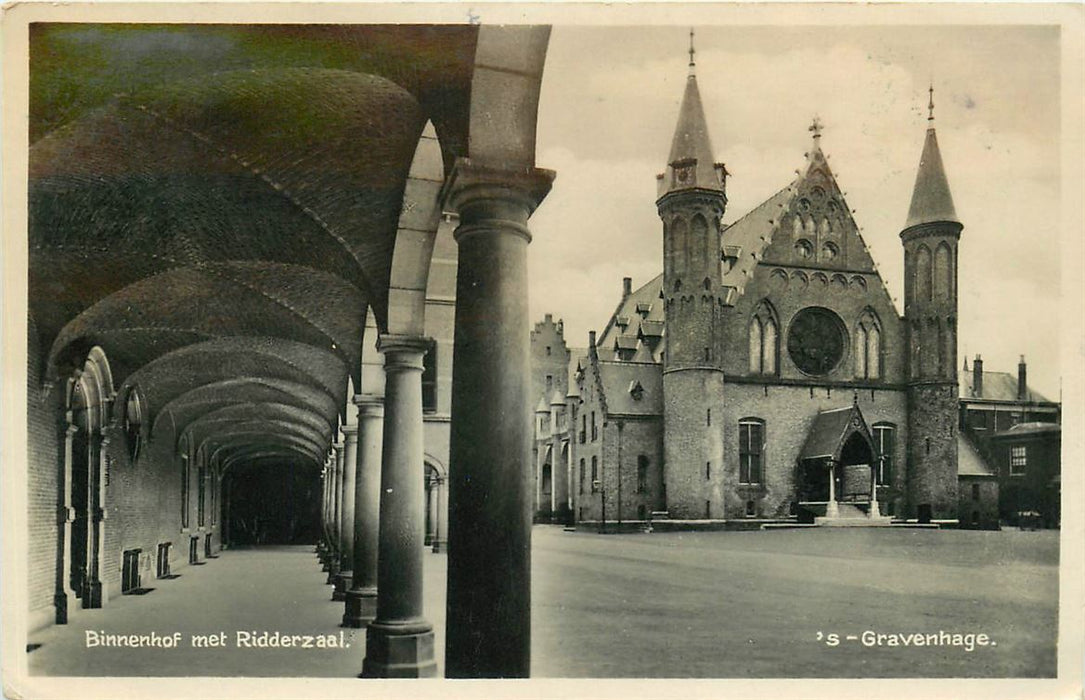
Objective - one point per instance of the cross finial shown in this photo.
(930, 104)
(692, 51)
(816, 126)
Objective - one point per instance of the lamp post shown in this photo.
(603, 498)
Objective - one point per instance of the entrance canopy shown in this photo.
(839, 434)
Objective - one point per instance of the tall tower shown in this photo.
(691, 203)
(930, 239)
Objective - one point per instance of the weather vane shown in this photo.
(930, 105)
(691, 49)
(816, 126)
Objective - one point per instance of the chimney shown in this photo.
(1022, 385)
(627, 287)
(977, 377)
(549, 318)
(591, 344)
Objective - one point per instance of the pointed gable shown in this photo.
(931, 199)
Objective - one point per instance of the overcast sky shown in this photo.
(610, 101)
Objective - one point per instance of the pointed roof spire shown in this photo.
(931, 199)
(691, 163)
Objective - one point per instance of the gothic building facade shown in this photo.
(767, 374)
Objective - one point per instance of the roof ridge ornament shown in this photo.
(692, 52)
(815, 127)
(930, 104)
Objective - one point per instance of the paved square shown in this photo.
(751, 604)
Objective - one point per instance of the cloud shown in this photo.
(609, 105)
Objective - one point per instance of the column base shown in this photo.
(342, 583)
(399, 651)
(440, 546)
(874, 511)
(93, 598)
(333, 571)
(361, 607)
(832, 510)
(60, 603)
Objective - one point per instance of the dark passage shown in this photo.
(272, 503)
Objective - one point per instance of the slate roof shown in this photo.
(691, 142)
(997, 386)
(617, 379)
(829, 431)
(652, 322)
(969, 461)
(751, 235)
(931, 200)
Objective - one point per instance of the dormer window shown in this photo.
(643, 307)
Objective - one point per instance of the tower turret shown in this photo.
(930, 237)
(691, 203)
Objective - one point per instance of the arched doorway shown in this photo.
(436, 500)
(82, 495)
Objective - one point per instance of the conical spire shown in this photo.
(691, 163)
(931, 200)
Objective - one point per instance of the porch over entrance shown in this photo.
(838, 471)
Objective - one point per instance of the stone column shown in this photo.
(324, 547)
(874, 489)
(399, 643)
(441, 494)
(336, 509)
(831, 509)
(361, 599)
(491, 471)
(346, 513)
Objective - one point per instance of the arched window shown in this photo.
(860, 351)
(829, 251)
(594, 474)
(922, 284)
(642, 473)
(581, 475)
(751, 449)
(803, 249)
(755, 346)
(796, 227)
(868, 346)
(768, 347)
(764, 340)
(943, 273)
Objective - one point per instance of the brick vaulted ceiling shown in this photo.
(216, 207)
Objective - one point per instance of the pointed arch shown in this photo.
(796, 227)
(922, 284)
(868, 345)
(764, 339)
(699, 241)
(943, 272)
(755, 345)
(680, 240)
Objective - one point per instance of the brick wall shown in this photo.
(44, 464)
(690, 443)
(978, 503)
(788, 413)
(932, 449)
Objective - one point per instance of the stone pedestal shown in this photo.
(399, 643)
(490, 474)
(361, 598)
(395, 651)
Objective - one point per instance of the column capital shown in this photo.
(474, 188)
(350, 431)
(402, 351)
(369, 405)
